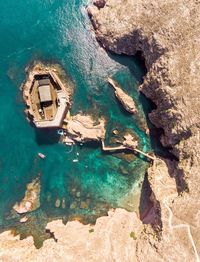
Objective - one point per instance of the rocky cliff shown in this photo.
(167, 33)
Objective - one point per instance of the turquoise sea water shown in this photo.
(59, 31)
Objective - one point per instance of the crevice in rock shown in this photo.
(51, 234)
(168, 153)
(155, 133)
(149, 209)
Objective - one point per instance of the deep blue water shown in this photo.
(59, 31)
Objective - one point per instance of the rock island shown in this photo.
(46, 97)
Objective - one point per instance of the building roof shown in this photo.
(44, 82)
(45, 93)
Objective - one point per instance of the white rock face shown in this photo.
(31, 200)
(126, 100)
(83, 128)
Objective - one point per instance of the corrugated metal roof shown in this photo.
(45, 93)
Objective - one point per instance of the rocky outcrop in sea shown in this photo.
(166, 33)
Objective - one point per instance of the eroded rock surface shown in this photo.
(83, 128)
(120, 236)
(167, 32)
(99, 3)
(31, 200)
(126, 100)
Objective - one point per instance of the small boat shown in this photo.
(75, 160)
(60, 132)
(41, 155)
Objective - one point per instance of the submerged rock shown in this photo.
(73, 205)
(31, 200)
(23, 219)
(57, 203)
(83, 205)
(78, 194)
(123, 170)
(63, 203)
(48, 197)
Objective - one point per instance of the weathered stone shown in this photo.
(167, 34)
(126, 100)
(99, 3)
(83, 128)
(31, 200)
(115, 132)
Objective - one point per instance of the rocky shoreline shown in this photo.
(167, 34)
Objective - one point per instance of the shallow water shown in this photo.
(55, 31)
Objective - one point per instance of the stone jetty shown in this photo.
(128, 143)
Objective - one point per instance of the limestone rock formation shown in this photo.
(120, 236)
(167, 32)
(126, 100)
(31, 200)
(75, 241)
(83, 128)
(167, 35)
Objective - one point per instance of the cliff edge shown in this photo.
(167, 34)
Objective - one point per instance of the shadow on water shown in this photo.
(136, 64)
(91, 145)
(155, 133)
(146, 204)
(46, 136)
(97, 145)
